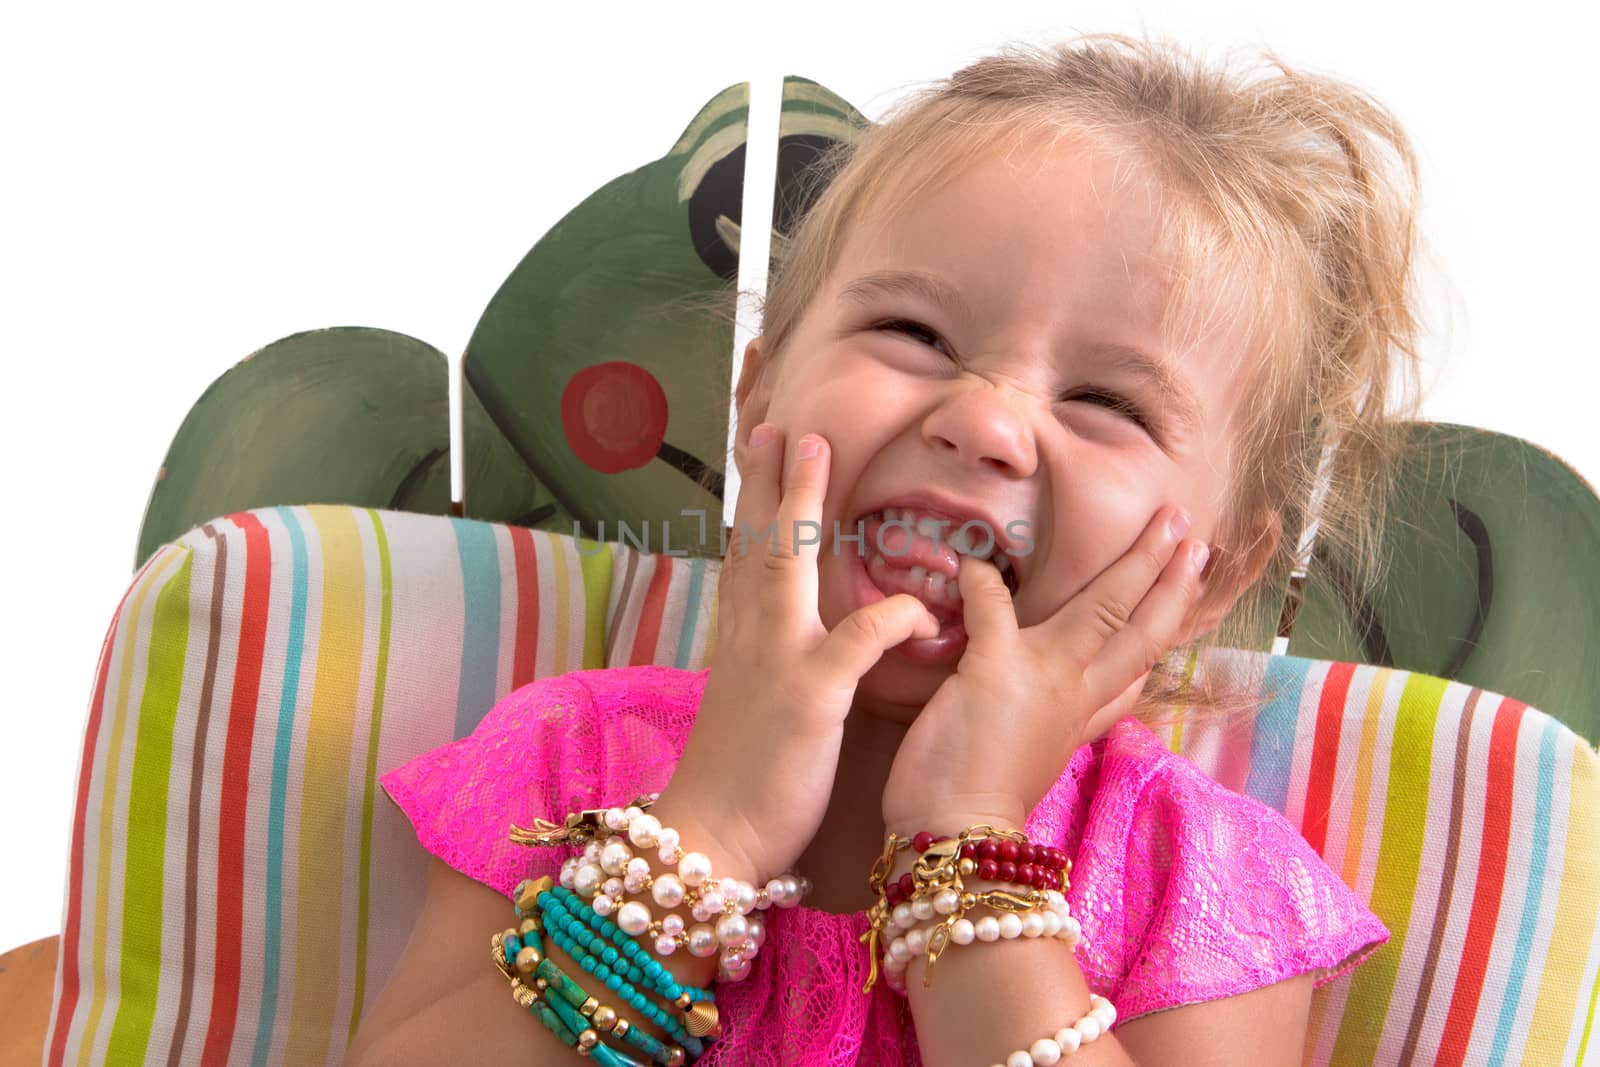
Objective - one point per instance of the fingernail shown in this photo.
(763, 435)
(1198, 555)
(1178, 524)
(808, 448)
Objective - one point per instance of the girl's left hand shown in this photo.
(998, 732)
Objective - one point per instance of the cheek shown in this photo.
(1104, 516)
(1097, 520)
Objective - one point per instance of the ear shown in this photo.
(749, 396)
(1234, 573)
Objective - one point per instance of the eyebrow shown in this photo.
(907, 283)
(1159, 373)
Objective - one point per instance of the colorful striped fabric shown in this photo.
(239, 890)
(1470, 824)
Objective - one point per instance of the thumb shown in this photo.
(853, 646)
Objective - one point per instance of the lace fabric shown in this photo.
(1186, 891)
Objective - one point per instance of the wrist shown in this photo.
(636, 872)
(729, 858)
(949, 822)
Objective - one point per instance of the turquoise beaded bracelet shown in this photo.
(638, 964)
(615, 958)
(577, 941)
(566, 913)
(577, 1018)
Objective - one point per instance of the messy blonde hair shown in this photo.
(1288, 195)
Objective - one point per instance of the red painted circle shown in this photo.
(614, 415)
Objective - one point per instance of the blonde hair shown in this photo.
(1296, 188)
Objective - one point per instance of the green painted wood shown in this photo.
(338, 416)
(604, 360)
(496, 482)
(1494, 577)
(813, 121)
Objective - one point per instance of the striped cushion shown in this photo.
(238, 890)
(1469, 823)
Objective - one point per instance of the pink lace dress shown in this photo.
(1186, 891)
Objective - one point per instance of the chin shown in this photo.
(897, 690)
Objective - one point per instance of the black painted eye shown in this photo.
(799, 181)
(720, 193)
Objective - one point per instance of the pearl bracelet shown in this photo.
(609, 874)
(1051, 920)
(1067, 1040)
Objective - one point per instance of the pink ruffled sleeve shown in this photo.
(1187, 891)
(579, 740)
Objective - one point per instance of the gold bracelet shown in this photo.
(937, 877)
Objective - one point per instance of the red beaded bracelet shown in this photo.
(1039, 866)
(996, 859)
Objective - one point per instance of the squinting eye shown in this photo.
(914, 330)
(1120, 405)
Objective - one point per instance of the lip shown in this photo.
(957, 512)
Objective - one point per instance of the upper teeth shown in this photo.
(941, 531)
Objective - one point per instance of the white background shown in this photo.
(183, 185)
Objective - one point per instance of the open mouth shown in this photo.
(909, 551)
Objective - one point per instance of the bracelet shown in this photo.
(1048, 921)
(569, 941)
(1040, 866)
(623, 970)
(558, 905)
(572, 1015)
(1048, 909)
(608, 871)
(1067, 1040)
(935, 885)
(520, 954)
(1008, 858)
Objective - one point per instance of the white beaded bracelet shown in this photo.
(1067, 1040)
(1052, 920)
(609, 870)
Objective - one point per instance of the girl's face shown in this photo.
(995, 352)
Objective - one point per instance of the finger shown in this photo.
(759, 467)
(791, 565)
(987, 610)
(1103, 607)
(1156, 625)
(760, 459)
(863, 636)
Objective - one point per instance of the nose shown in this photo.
(983, 424)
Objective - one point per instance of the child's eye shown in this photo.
(916, 331)
(1112, 402)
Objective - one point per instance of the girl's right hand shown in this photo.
(757, 769)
